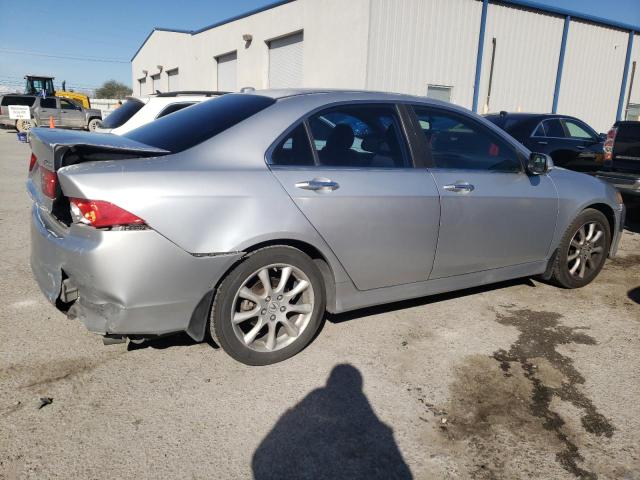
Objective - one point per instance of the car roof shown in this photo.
(342, 94)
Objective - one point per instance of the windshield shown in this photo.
(191, 126)
(121, 114)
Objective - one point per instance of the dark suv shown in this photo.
(622, 160)
(570, 142)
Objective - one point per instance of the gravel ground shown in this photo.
(516, 380)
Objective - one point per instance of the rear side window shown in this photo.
(540, 131)
(553, 128)
(122, 114)
(174, 108)
(48, 103)
(364, 136)
(577, 130)
(191, 126)
(294, 149)
(459, 143)
(23, 101)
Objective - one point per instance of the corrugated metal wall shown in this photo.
(635, 87)
(592, 76)
(526, 60)
(413, 43)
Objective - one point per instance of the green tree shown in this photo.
(113, 89)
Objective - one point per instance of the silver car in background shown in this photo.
(250, 215)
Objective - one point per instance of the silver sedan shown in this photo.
(250, 215)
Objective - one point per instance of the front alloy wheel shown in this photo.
(586, 250)
(583, 250)
(269, 307)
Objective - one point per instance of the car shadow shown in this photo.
(180, 339)
(634, 294)
(333, 433)
(421, 301)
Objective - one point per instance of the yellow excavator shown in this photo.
(37, 84)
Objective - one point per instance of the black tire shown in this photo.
(561, 274)
(221, 327)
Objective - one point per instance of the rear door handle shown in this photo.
(459, 187)
(318, 184)
(580, 147)
(543, 143)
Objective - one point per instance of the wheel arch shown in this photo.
(198, 325)
(608, 212)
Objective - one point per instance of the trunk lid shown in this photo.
(55, 149)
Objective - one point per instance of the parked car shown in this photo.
(250, 215)
(65, 113)
(570, 142)
(138, 111)
(622, 160)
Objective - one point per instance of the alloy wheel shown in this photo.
(586, 249)
(272, 307)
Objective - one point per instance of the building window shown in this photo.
(633, 112)
(172, 80)
(142, 85)
(285, 61)
(155, 82)
(439, 92)
(227, 72)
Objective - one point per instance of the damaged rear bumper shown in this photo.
(125, 282)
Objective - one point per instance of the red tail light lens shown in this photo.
(608, 144)
(32, 161)
(100, 214)
(49, 182)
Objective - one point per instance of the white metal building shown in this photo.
(486, 55)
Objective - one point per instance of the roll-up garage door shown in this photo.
(285, 61)
(172, 80)
(227, 72)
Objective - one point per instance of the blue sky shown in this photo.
(113, 30)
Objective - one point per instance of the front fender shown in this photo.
(578, 191)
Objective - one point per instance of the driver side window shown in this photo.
(67, 105)
(457, 143)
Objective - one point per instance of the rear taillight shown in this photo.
(49, 182)
(608, 145)
(100, 214)
(32, 161)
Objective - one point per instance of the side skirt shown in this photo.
(349, 298)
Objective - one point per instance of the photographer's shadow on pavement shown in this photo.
(333, 433)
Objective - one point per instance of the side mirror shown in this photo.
(539, 164)
(602, 137)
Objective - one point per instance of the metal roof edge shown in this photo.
(572, 13)
(159, 29)
(269, 6)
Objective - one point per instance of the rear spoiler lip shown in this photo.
(59, 141)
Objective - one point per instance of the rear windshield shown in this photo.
(191, 126)
(26, 101)
(121, 114)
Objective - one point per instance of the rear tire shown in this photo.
(582, 251)
(93, 124)
(260, 325)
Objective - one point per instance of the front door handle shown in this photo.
(580, 147)
(459, 187)
(319, 184)
(543, 143)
